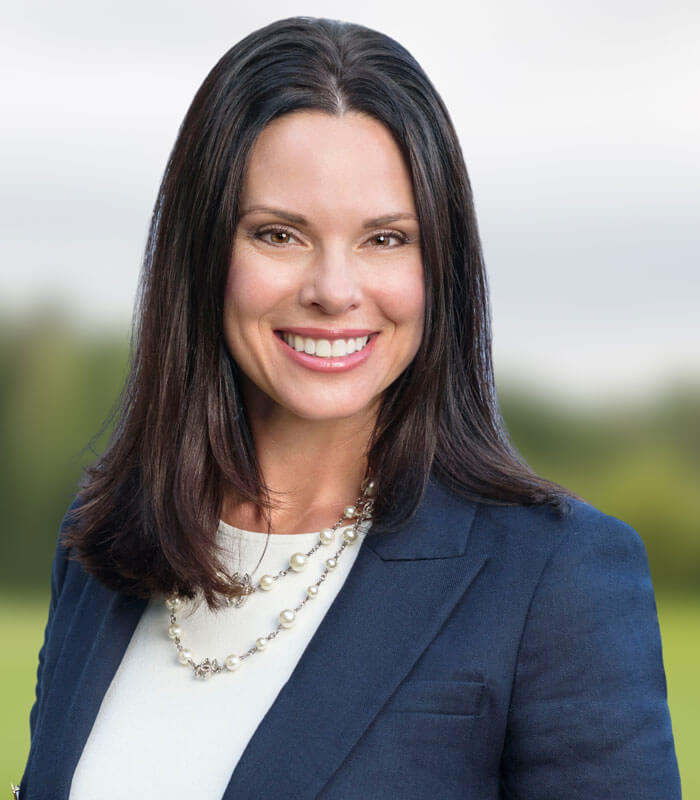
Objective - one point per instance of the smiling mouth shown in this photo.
(325, 348)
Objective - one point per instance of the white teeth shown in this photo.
(324, 348)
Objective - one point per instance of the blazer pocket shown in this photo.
(453, 698)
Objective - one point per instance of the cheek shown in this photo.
(251, 291)
(403, 302)
(244, 304)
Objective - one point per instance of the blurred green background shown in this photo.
(638, 460)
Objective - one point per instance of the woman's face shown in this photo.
(324, 301)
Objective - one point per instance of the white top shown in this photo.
(160, 732)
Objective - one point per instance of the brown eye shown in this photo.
(383, 239)
(278, 236)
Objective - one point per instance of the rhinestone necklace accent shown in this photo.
(359, 513)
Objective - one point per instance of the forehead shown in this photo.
(316, 162)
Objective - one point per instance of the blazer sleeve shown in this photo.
(589, 715)
(58, 572)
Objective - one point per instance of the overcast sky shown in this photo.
(579, 124)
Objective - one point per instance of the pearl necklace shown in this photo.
(360, 512)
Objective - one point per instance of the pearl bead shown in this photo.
(267, 582)
(350, 535)
(232, 663)
(174, 631)
(312, 591)
(173, 603)
(331, 563)
(287, 618)
(261, 643)
(184, 656)
(350, 512)
(371, 489)
(297, 562)
(327, 535)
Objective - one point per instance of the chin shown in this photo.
(317, 409)
(328, 414)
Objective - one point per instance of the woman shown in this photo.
(310, 498)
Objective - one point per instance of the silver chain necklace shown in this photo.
(359, 513)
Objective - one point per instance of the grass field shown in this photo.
(679, 618)
(21, 631)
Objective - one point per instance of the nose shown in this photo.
(331, 284)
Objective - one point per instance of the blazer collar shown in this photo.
(438, 529)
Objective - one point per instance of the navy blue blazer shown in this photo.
(482, 652)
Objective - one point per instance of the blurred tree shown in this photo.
(57, 386)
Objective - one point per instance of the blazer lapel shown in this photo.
(401, 589)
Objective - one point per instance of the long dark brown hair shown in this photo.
(150, 505)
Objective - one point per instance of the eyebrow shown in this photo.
(297, 219)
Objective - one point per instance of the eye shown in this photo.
(279, 236)
(382, 239)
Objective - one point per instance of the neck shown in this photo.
(314, 469)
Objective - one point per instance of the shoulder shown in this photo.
(577, 519)
(545, 536)
(521, 539)
(539, 555)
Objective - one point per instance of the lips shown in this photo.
(323, 347)
(327, 351)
